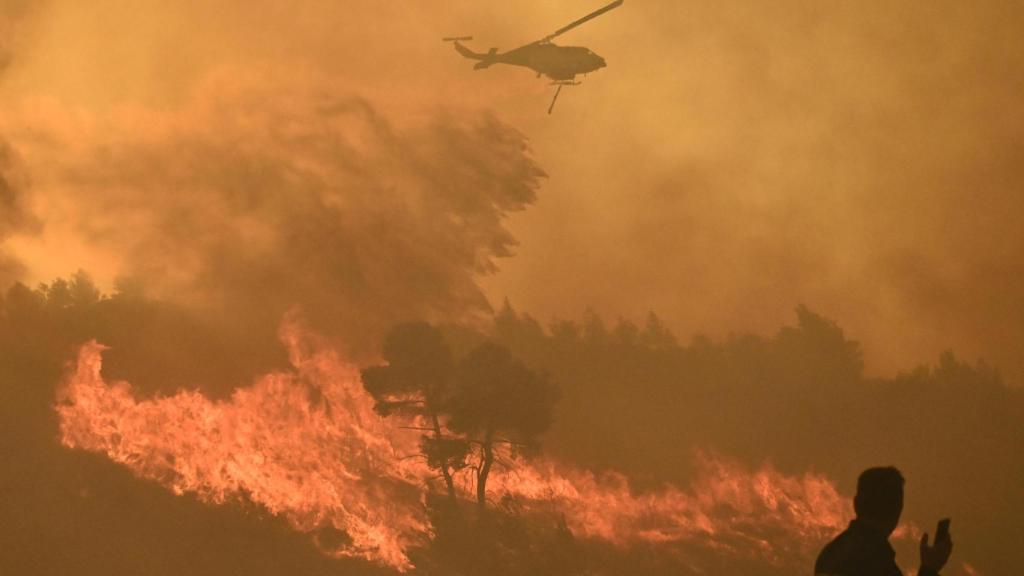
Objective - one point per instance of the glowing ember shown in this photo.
(307, 445)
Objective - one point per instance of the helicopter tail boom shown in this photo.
(486, 59)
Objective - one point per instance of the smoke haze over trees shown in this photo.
(777, 154)
(245, 206)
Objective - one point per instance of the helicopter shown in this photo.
(559, 63)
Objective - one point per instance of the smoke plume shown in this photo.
(257, 197)
(781, 155)
(14, 216)
(14, 212)
(864, 160)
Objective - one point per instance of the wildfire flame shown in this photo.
(326, 463)
(307, 445)
(764, 513)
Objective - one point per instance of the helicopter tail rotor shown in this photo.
(486, 59)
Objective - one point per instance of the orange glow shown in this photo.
(307, 445)
(971, 570)
(728, 507)
(304, 444)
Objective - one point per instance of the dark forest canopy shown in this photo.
(633, 398)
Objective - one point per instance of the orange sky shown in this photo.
(733, 161)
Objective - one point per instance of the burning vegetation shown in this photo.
(308, 445)
(359, 459)
(499, 457)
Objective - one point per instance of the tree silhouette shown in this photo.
(487, 398)
(417, 380)
(497, 399)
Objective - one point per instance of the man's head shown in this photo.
(879, 499)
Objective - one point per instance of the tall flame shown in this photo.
(307, 445)
(330, 462)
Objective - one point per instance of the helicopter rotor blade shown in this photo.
(583, 20)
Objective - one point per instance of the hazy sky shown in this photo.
(733, 161)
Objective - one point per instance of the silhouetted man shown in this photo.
(863, 549)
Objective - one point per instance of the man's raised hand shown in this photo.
(934, 557)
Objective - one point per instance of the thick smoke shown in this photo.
(257, 197)
(14, 212)
(12, 13)
(862, 159)
(14, 216)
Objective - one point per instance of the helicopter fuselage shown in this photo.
(560, 63)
